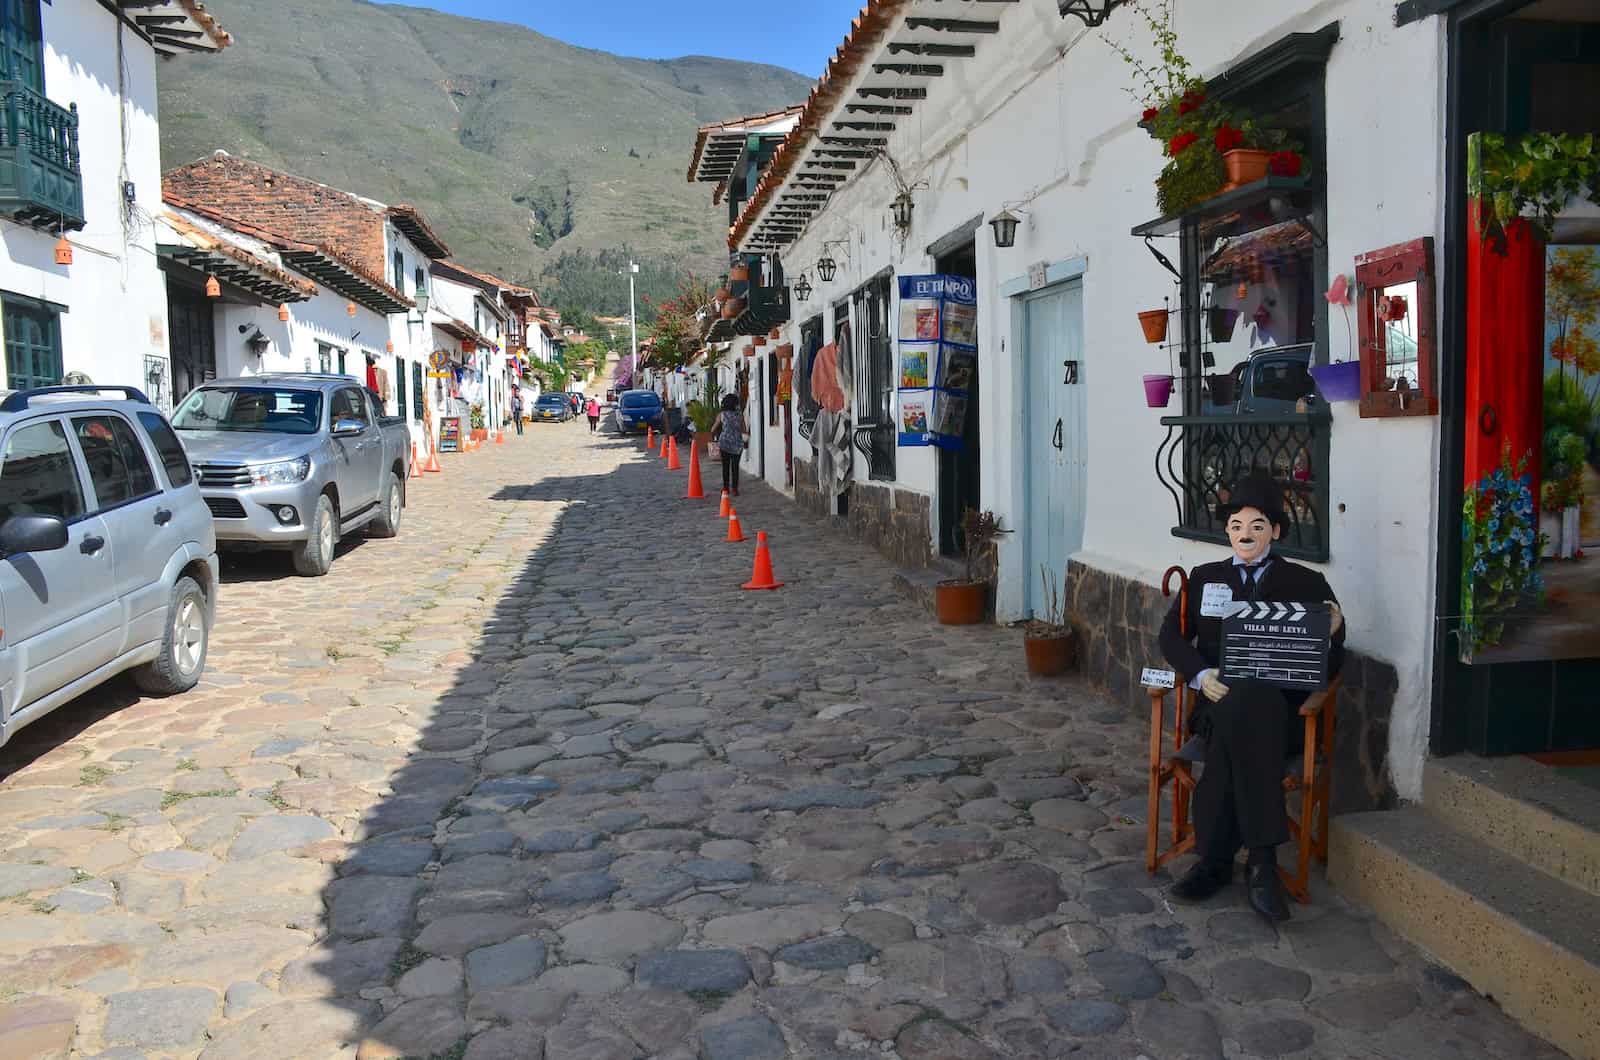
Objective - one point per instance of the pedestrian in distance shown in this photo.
(731, 434)
(592, 410)
(516, 407)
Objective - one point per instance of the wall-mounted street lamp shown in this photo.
(902, 207)
(259, 343)
(1092, 12)
(1005, 224)
(826, 267)
(802, 289)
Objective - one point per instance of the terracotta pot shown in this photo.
(1246, 165)
(775, 333)
(1221, 320)
(732, 308)
(961, 603)
(749, 351)
(759, 340)
(1049, 656)
(1154, 323)
(723, 294)
(739, 274)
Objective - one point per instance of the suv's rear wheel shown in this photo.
(387, 522)
(183, 646)
(314, 556)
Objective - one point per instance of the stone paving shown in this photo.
(537, 779)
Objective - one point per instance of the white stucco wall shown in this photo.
(1040, 117)
(114, 293)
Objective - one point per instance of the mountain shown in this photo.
(536, 160)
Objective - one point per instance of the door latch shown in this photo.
(1072, 371)
(1055, 439)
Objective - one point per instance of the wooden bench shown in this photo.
(1306, 774)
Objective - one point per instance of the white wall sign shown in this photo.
(1037, 273)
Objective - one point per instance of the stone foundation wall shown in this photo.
(898, 523)
(1117, 621)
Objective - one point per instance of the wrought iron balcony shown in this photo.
(1201, 458)
(41, 183)
(765, 308)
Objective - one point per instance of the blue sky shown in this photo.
(763, 32)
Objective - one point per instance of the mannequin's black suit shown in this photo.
(1239, 799)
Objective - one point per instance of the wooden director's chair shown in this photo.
(1305, 777)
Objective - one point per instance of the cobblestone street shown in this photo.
(537, 779)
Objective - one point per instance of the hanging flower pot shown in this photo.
(1221, 321)
(1246, 165)
(723, 293)
(1154, 323)
(1157, 390)
(1340, 381)
(732, 308)
(750, 351)
(759, 340)
(775, 333)
(739, 274)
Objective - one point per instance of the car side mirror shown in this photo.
(32, 533)
(343, 428)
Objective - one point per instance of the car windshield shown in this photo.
(266, 409)
(638, 401)
(552, 399)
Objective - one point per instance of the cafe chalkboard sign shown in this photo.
(1281, 644)
(450, 434)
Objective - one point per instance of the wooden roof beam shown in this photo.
(952, 25)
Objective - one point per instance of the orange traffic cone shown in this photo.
(761, 576)
(734, 533)
(650, 437)
(673, 463)
(696, 490)
(726, 508)
(664, 440)
(500, 436)
(433, 461)
(416, 465)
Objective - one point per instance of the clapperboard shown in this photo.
(1285, 645)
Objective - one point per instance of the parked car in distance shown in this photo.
(638, 410)
(1272, 381)
(290, 461)
(108, 557)
(555, 406)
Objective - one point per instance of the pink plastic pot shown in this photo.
(1157, 390)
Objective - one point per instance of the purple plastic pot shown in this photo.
(1340, 381)
(1157, 390)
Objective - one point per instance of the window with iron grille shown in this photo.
(874, 377)
(400, 386)
(417, 396)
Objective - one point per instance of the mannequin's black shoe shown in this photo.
(1202, 881)
(1266, 893)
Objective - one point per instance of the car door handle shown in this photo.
(163, 516)
(91, 545)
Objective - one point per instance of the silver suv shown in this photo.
(108, 561)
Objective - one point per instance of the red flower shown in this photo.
(1191, 102)
(1228, 138)
(1150, 114)
(1185, 106)
(1285, 164)
(1178, 143)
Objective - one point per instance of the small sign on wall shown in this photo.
(1153, 678)
(1038, 275)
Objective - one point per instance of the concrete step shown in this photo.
(1522, 808)
(1526, 939)
(919, 584)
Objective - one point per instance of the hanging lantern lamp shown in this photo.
(802, 288)
(63, 251)
(283, 312)
(213, 288)
(902, 207)
(1092, 12)
(826, 267)
(1004, 224)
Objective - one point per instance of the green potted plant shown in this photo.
(963, 601)
(702, 413)
(1047, 642)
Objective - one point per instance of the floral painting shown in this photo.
(1531, 528)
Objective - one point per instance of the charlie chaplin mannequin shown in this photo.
(1248, 727)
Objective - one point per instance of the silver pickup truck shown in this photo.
(295, 462)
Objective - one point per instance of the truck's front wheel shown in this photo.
(387, 523)
(314, 556)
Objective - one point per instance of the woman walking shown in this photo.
(730, 432)
(592, 410)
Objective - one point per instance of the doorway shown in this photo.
(959, 484)
(191, 326)
(1054, 434)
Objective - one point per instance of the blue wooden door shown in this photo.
(1054, 435)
